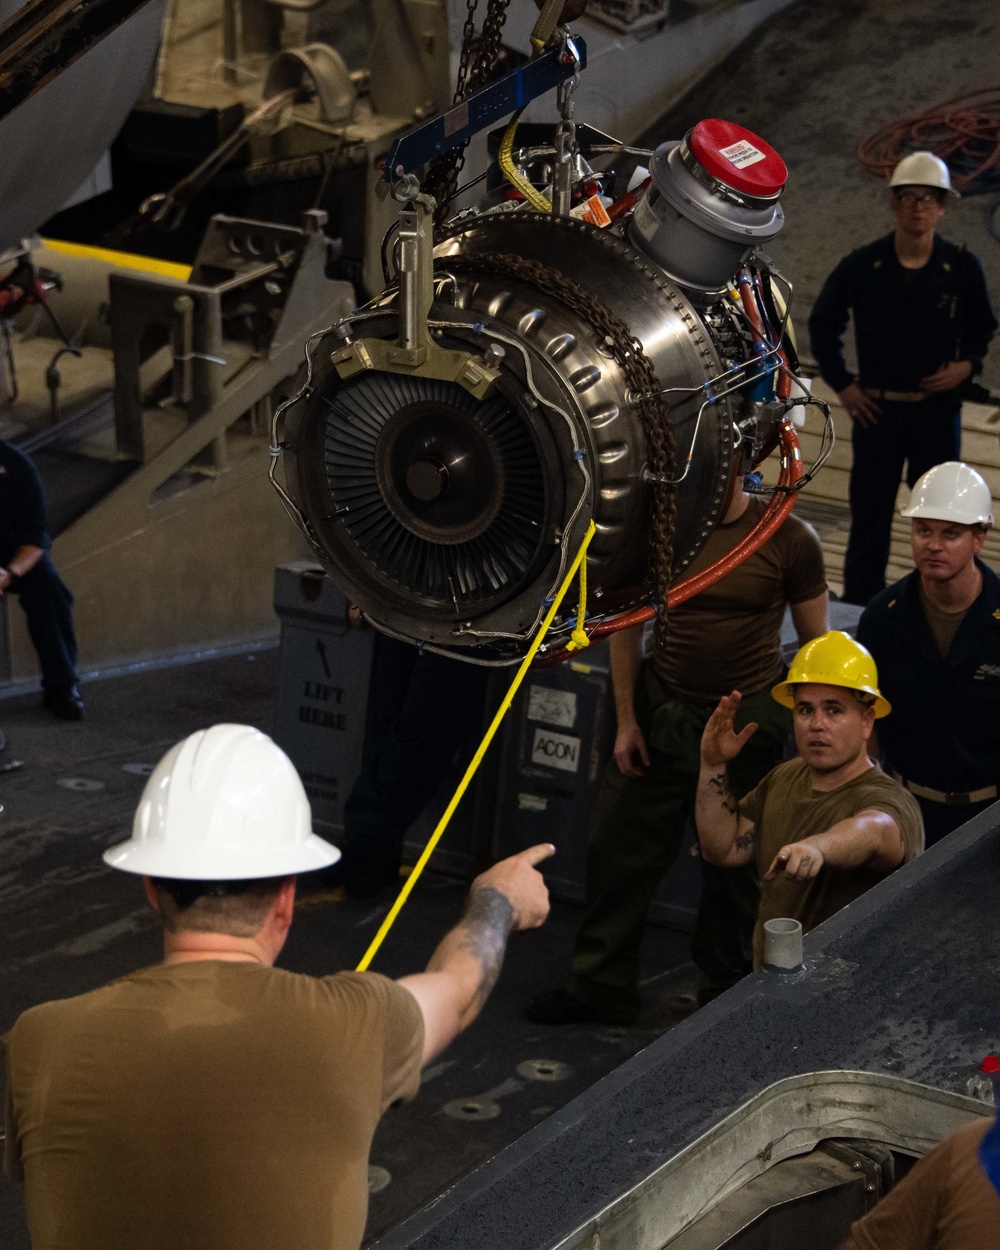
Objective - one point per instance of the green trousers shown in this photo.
(635, 836)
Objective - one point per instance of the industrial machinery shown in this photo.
(573, 352)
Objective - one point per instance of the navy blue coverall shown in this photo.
(47, 602)
(907, 324)
(942, 731)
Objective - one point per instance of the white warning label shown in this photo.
(554, 707)
(742, 154)
(553, 750)
(532, 802)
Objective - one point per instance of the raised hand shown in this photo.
(720, 742)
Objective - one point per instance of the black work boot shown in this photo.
(66, 704)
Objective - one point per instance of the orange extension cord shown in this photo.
(963, 131)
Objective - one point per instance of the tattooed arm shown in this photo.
(871, 839)
(726, 837)
(464, 968)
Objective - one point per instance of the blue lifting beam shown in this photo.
(483, 108)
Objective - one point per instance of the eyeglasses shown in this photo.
(912, 198)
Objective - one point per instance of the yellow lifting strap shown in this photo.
(579, 562)
(513, 174)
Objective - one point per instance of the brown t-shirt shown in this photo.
(728, 637)
(209, 1105)
(943, 625)
(785, 808)
(945, 1202)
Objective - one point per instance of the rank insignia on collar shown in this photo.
(996, 614)
(891, 603)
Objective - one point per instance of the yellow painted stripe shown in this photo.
(124, 260)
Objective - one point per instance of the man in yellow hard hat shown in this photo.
(727, 636)
(922, 324)
(826, 826)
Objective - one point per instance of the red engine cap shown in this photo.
(990, 1064)
(738, 158)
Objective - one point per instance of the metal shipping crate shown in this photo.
(323, 680)
(326, 670)
(558, 737)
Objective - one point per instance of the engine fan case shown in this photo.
(563, 397)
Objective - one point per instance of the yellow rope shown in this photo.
(578, 639)
(514, 175)
(579, 561)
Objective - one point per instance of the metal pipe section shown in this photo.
(783, 944)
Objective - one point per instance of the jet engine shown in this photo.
(452, 441)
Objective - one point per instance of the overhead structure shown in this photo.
(573, 352)
(53, 56)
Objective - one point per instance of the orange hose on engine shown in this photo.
(774, 514)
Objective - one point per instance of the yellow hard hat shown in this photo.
(832, 659)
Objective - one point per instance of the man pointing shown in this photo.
(827, 826)
(214, 1101)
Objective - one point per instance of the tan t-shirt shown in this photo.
(943, 625)
(209, 1106)
(728, 637)
(785, 808)
(945, 1202)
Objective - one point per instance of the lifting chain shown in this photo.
(465, 56)
(442, 177)
(640, 379)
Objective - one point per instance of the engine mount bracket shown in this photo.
(469, 371)
(415, 352)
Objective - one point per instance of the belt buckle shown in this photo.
(958, 798)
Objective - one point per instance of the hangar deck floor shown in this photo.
(68, 924)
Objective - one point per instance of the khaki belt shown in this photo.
(896, 397)
(954, 798)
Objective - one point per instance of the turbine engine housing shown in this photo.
(451, 519)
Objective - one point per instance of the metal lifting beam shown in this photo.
(483, 108)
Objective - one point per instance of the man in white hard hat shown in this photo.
(214, 1101)
(935, 636)
(922, 324)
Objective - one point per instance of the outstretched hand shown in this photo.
(519, 880)
(797, 862)
(720, 742)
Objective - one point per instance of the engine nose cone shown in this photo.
(426, 480)
(439, 472)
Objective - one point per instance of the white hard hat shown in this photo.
(223, 805)
(923, 169)
(952, 492)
